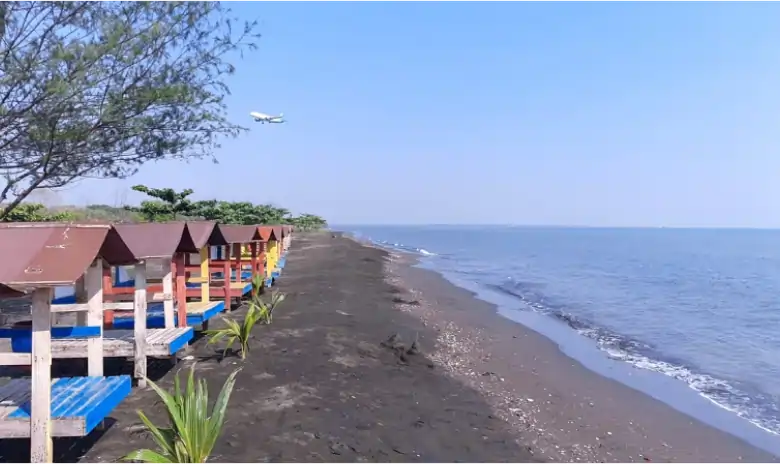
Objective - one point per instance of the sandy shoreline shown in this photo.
(321, 384)
(564, 411)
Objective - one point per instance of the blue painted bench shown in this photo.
(78, 404)
(71, 342)
(197, 313)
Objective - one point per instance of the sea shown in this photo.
(689, 316)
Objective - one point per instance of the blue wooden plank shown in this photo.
(182, 340)
(67, 299)
(56, 332)
(65, 392)
(156, 320)
(247, 289)
(219, 307)
(21, 338)
(87, 398)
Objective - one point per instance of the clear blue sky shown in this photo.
(609, 114)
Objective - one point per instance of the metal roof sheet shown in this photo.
(240, 234)
(206, 233)
(267, 233)
(53, 254)
(157, 239)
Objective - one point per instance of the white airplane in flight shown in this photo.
(264, 118)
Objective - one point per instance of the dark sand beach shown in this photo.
(319, 385)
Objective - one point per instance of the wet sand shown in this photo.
(320, 384)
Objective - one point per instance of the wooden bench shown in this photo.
(198, 313)
(121, 343)
(78, 404)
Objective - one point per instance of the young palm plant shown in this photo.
(266, 310)
(234, 332)
(193, 429)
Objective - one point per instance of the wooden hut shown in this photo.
(37, 258)
(271, 236)
(166, 249)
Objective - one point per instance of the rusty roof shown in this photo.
(240, 234)
(278, 231)
(267, 233)
(157, 239)
(53, 254)
(206, 233)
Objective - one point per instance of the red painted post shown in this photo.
(108, 287)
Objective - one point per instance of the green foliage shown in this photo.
(170, 204)
(226, 212)
(36, 212)
(193, 429)
(234, 332)
(267, 310)
(96, 89)
(308, 222)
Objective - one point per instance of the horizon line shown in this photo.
(552, 226)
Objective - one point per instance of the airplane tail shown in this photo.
(281, 115)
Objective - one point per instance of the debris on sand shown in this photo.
(395, 343)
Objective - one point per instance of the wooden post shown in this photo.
(272, 244)
(205, 274)
(80, 292)
(93, 282)
(167, 284)
(139, 324)
(226, 279)
(261, 264)
(253, 252)
(41, 447)
(239, 264)
(108, 285)
(181, 289)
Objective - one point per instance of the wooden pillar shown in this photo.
(80, 292)
(262, 258)
(205, 274)
(108, 285)
(93, 282)
(253, 253)
(167, 284)
(41, 446)
(181, 289)
(238, 258)
(139, 324)
(226, 279)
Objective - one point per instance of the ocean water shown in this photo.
(699, 306)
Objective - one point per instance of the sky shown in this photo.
(599, 114)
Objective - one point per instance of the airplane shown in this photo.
(264, 118)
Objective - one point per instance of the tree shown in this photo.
(308, 222)
(242, 212)
(170, 204)
(36, 212)
(95, 89)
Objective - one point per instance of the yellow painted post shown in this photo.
(269, 258)
(205, 274)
